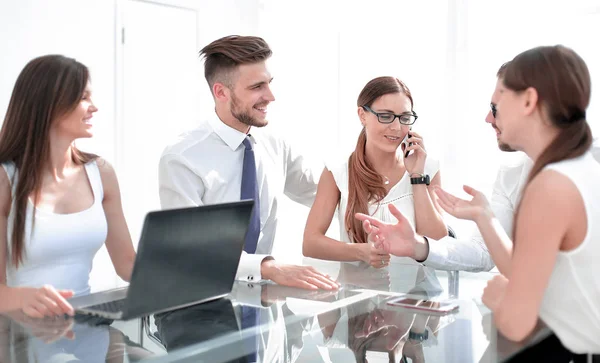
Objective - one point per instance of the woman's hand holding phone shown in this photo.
(408, 136)
(414, 154)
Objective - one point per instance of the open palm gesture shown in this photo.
(395, 238)
(472, 209)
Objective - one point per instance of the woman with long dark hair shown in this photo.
(550, 267)
(58, 205)
(387, 167)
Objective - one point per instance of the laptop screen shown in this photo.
(186, 256)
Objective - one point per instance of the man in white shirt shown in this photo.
(467, 254)
(231, 158)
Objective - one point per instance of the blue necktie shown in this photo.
(249, 190)
(250, 319)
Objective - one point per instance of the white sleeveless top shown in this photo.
(60, 249)
(571, 303)
(401, 196)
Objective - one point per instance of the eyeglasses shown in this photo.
(408, 118)
(494, 109)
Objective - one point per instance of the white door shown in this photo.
(160, 93)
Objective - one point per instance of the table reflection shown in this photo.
(352, 324)
(372, 327)
(63, 339)
(398, 278)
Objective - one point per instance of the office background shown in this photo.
(149, 86)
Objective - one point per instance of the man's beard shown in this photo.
(505, 147)
(244, 116)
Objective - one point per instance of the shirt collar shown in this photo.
(232, 137)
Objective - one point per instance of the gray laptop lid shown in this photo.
(186, 256)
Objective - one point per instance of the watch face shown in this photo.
(418, 336)
(420, 180)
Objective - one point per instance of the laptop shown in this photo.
(185, 257)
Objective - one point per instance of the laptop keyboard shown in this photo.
(109, 307)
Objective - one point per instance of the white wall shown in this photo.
(447, 51)
(86, 30)
(82, 29)
(321, 61)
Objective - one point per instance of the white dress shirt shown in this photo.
(471, 254)
(204, 166)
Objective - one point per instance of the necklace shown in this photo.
(386, 180)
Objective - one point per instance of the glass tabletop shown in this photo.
(272, 323)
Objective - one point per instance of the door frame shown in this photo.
(119, 41)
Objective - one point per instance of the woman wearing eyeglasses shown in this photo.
(376, 174)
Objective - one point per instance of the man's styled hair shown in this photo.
(224, 55)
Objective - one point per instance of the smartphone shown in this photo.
(409, 144)
(432, 307)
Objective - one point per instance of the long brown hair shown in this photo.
(364, 183)
(562, 81)
(47, 88)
